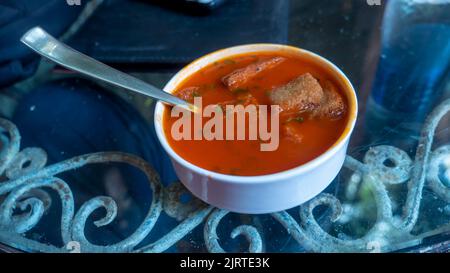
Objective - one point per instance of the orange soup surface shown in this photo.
(304, 135)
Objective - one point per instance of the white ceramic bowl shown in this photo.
(266, 193)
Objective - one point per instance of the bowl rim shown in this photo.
(221, 54)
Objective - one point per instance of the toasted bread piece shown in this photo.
(333, 105)
(188, 93)
(238, 78)
(290, 132)
(304, 93)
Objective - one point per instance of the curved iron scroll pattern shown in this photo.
(23, 201)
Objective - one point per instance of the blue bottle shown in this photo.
(414, 63)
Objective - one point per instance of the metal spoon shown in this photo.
(46, 45)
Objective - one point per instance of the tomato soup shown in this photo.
(313, 117)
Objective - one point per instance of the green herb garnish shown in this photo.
(296, 119)
(239, 90)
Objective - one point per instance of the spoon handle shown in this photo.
(46, 45)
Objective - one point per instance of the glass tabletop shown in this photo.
(64, 190)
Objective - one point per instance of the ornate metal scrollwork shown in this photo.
(23, 201)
